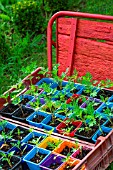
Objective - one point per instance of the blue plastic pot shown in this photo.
(48, 81)
(100, 110)
(19, 99)
(42, 101)
(34, 134)
(110, 100)
(8, 125)
(30, 118)
(49, 118)
(23, 145)
(93, 89)
(46, 127)
(31, 154)
(99, 133)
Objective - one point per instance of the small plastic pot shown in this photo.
(64, 125)
(50, 161)
(31, 154)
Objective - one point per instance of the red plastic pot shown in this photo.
(64, 124)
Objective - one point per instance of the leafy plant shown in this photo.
(26, 14)
(52, 145)
(64, 109)
(89, 84)
(3, 123)
(21, 147)
(36, 141)
(4, 137)
(7, 157)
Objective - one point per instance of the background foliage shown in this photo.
(23, 26)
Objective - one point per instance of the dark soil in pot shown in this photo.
(110, 124)
(9, 109)
(96, 105)
(38, 118)
(22, 151)
(85, 93)
(69, 167)
(59, 87)
(100, 121)
(105, 93)
(6, 146)
(23, 112)
(19, 133)
(24, 101)
(87, 133)
(67, 150)
(50, 110)
(55, 122)
(14, 162)
(83, 152)
(74, 91)
(38, 158)
(54, 165)
(6, 130)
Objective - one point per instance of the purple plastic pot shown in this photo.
(51, 160)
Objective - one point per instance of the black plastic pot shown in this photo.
(16, 164)
(86, 138)
(22, 113)
(8, 110)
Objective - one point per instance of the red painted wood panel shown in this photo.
(95, 57)
(87, 29)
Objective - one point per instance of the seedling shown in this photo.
(35, 104)
(33, 90)
(59, 79)
(4, 137)
(47, 88)
(52, 145)
(89, 84)
(50, 106)
(19, 145)
(7, 157)
(108, 111)
(3, 123)
(64, 110)
(103, 99)
(36, 140)
(61, 96)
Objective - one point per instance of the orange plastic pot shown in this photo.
(71, 162)
(65, 143)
